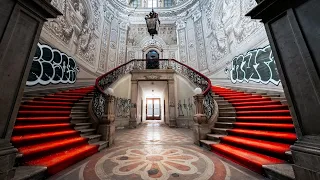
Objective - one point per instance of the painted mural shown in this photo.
(256, 65)
(51, 66)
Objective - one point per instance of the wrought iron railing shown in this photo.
(104, 81)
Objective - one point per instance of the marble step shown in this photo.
(92, 138)
(207, 144)
(226, 119)
(214, 137)
(30, 173)
(84, 100)
(86, 131)
(79, 109)
(227, 109)
(79, 126)
(279, 171)
(75, 120)
(102, 144)
(227, 114)
(289, 156)
(78, 104)
(226, 125)
(219, 131)
(225, 105)
(79, 114)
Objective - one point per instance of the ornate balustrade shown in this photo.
(105, 81)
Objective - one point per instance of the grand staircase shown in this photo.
(53, 131)
(254, 130)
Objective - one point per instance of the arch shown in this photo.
(156, 44)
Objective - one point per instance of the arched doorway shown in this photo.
(152, 59)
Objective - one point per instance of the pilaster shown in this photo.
(293, 31)
(21, 22)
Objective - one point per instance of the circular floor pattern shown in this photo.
(155, 162)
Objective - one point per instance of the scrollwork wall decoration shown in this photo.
(51, 66)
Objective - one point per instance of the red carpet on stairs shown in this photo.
(262, 131)
(44, 134)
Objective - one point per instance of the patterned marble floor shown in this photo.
(156, 152)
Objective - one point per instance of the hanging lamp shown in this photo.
(152, 20)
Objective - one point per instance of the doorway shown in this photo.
(152, 59)
(153, 109)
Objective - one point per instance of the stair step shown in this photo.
(262, 107)
(86, 131)
(37, 138)
(271, 119)
(75, 119)
(265, 102)
(81, 104)
(64, 159)
(226, 119)
(228, 109)
(225, 105)
(220, 131)
(215, 137)
(44, 108)
(279, 171)
(38, 128)
(269, 148)
(78, 114)
(102, 144)
(289, 156)
(92, 138)
(226, 125)
(79, 109)
(207, 144)
(50, 147)
(44, 103)
(85, 100)
(264, 126)
(41, 120)
(249, 159)
(227, 114)
(79, 126)
(286, 137)
(33, 113)
(264, 113)
(30, 173)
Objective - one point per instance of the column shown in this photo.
(201, 127)
(133, 109)
(172, 104)
(293, 31)
(107, 127)
(21, 22)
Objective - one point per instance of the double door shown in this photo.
(153, 109)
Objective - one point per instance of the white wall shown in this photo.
(122, 88)
(184, 90)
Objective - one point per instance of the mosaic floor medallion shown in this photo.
(155, 162)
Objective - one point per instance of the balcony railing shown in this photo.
(106, 80)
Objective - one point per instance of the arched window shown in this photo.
(136, 3)
(167, 3)
(155, 3)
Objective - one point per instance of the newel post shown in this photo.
(106, 124)
(201, 127)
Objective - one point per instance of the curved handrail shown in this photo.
(104, 81)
